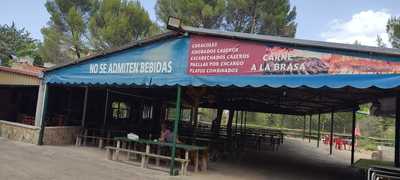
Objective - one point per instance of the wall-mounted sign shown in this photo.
(218, 56)
(131, 67)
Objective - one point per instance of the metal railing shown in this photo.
(383, 172)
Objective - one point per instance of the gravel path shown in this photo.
(296, 159)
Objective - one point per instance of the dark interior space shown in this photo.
(18, 103)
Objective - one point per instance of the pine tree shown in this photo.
(393, 29)
(380, 42)
(77, 27)
(67, 30)
(272, 17)
(198, 13)
(16, 42)
(117, 22)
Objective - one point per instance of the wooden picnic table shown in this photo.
(207, 140)
(275, 140)
(186, 147)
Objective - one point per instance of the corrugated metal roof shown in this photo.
(25, 70)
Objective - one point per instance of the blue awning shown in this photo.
(175, 61)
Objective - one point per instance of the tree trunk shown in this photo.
(77, 52)
(254, 18)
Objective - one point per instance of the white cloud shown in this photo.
(363, 27)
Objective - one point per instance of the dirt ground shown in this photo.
(296, 159)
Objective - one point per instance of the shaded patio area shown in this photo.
(296, 159)
(134, 89)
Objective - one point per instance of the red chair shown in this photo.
(29, 120)
(339, 143)
(326, 139)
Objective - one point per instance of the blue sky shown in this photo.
(325, 20)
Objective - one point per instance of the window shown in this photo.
(185, 114)
(120, 110)
(147, 112)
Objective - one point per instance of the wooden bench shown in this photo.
(81, 140)
(110, 150)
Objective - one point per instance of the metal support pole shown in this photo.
(236, 122)
(353, 134)
(175, 134)
(397, 134)
(309, 131)
(331, 136)
(241, 132)
(39, 104)
(84, 107)
(244, 130)
(319, 129)
(229, 127)
(245, 122)
(236, 129)
(43, 115)
(105, 110)
(241, 123)
(195, 112)
(230, 122)
(304, 128)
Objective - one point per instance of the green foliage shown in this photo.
(14, 41)
(393, 30)
(115, 23)
(199, 13)
(38, 60)
(207, 114)
(273, 17)
(51, 49)
(373, 126)
(185, 116)
(374, 130)
(365, 107)
(64, 38)
(79, 26)
(365, 143)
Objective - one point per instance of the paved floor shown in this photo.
(295, 160)
(19, 161)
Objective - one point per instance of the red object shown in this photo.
(58, 120)
(222, 56)
(24, 69)
(29, 120)
(357, 132)
(327, 139)
(339, 143)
